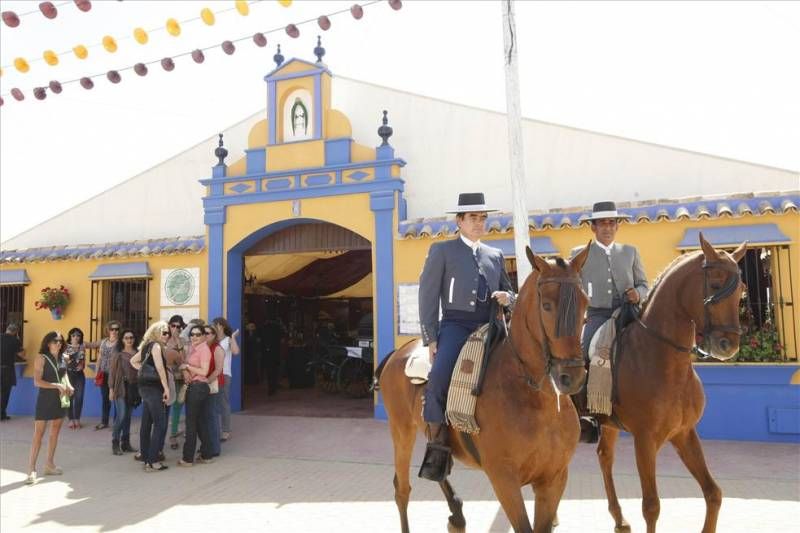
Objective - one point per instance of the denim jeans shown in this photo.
(106, 401)
(196, 422)
(212, 418)
(122, 420)
(175, 415)
(225, 404)
(151, 433)
(78, 382)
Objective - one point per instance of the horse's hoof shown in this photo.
(624, 528)
(456, 524)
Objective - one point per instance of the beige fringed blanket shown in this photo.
(598, 397)
(461, 403)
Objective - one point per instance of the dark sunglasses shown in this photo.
(165, 332)
(176, 326)
(113, 329)
(128, 337)
(210, 333)
(196, 335)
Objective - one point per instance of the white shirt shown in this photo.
(225, 344)
(474, 245)
(606, 249)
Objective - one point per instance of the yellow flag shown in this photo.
(242, 7)
(50, 58)
(140, 35)
(21, 65)
(285, 3)
(80, 51)
(173, 28)
(208, 16)
(110, 44)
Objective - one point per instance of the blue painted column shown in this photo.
(214, 218)
(382, 205)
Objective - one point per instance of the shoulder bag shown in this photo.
(64, 381)
(147, 374)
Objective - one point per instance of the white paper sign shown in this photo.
(180, 287)
(408, 309)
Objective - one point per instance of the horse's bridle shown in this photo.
(547, 354)
(708, 300)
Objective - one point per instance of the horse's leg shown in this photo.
(605, 455)
(456, 519)
(646, 450)
(507, 489)
(403, 439)
(547, 498)
(691, 453)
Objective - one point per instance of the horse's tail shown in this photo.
(376, 386)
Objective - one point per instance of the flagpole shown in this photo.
(515, 146)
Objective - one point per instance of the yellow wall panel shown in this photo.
(301, 154)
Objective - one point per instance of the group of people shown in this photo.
(173, 365)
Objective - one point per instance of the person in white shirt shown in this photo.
(228, 343)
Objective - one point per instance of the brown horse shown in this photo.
(659, 396)
(528, 430)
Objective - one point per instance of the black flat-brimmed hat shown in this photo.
(602, 210)
(471, 202)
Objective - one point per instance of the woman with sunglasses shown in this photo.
(106, 347)
(196, 367)
(176, 356)
(49, 376)
(228, 343)
(216, 382)
(154, 396)
(75, 356)
(123, 392)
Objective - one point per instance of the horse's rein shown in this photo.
(724, 292)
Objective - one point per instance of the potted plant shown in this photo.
(53, 299)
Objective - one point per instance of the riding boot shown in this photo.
(125, 446)
(590, 430)
(438, 461)
(115, 447)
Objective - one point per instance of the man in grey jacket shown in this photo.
(613, 274)
(461, 275)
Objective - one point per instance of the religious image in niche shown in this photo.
(179, 286)
(299, 118)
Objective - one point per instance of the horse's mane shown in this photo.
(660, 277)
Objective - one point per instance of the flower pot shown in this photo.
(56, 314)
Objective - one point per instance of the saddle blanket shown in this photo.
(598, 389)
(461, 402)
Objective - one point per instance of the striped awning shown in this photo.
(726, 236)
(14, 277)
(121, 271)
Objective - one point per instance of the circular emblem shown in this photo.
(179, 286)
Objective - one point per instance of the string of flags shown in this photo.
(142, 36)
(48, 9)
(198, 55)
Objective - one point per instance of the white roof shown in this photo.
(449, 148)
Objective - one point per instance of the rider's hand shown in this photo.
(632, 295)
(502, 297)
(432, 350)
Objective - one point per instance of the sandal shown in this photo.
(137, 457)
(52, 471)
(100, 426)
(31, 479)
(173, 442)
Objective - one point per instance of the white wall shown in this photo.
(449, 148)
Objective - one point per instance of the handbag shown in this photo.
(213, 387)
(65, 401)
(147, 374)
(100, 378)
(132, 394)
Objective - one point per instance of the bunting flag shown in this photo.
(168, 63)
(109, 43)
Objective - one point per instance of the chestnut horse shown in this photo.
(659, 397)
(529, 430)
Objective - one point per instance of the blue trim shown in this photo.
(318, 106)
(214, 215)
(382, 205)
(402, 209)
(318, 179)
(122, 270)
(305, 170)
(272, 116)
(256, 160)
(14, 277)
(299, 193)
(219, 171)
(215, 267)
(540, 245)
(278, 184)
(734, 235)
(337, 151)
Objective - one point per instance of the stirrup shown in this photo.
(590, 430)
(437, 463)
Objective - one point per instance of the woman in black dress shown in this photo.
(48, 370)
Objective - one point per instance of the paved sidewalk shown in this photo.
(283, 474)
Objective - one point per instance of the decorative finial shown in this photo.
(319, 51)
(278, 58)
(221, 152)
(385, 131)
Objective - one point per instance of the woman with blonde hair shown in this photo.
(150, 362)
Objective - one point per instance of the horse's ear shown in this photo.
(539, 264)
(580, 258)
(738, 253)
(708, 250)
